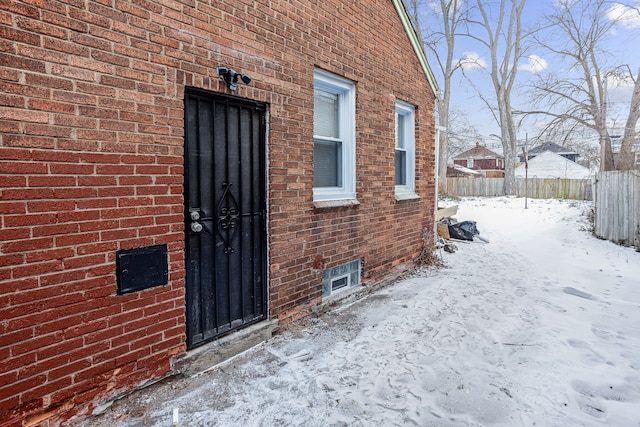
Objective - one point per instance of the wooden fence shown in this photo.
(537, 188)
(617, 207)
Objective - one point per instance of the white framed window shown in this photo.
(334, 143)
(405, 152)
(340, 283)
(470, 163)
(637, 158)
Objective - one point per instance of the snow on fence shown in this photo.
(617, 207)
(537, 188)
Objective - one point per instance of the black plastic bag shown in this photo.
(464, 230)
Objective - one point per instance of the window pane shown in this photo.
(401, 167)
(340, 283)
(400, 126)
(327, 164)
(325, 114)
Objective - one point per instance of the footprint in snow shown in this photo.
(589, 395)
(589, 355)
(634, 360)
(588, 399)
(552, 307)
(606, 335)
(592, 410)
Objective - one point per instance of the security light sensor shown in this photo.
(231, 77)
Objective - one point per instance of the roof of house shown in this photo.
(552, 165)
(479, 152)
(550, 146)
(415, 43)
(463, 169)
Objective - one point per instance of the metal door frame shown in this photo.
(262, 108)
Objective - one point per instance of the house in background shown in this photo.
(552, 147)
(552, 165)
(480, 158)
(173, 172)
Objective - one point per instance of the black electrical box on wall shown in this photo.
(141, 268)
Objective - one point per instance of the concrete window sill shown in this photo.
(406, 196)
(329, 204)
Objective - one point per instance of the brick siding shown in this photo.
(479, 164)
(91, 161)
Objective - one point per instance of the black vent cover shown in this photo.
(141, 268)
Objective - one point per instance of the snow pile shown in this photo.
(538, 327)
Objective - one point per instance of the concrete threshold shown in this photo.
(208, 355)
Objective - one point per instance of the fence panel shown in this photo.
(537, 188)
(487, 187)
(617, 207)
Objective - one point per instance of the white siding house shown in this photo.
(552, 165)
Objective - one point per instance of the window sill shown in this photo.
(340, 203)
(406, 196)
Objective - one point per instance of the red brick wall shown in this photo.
(91, 161)
(479, 164)
(369, 46)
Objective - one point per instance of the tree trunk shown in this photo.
(509, 142)
(626, 158)
(503, 75)
(606, 153)
(510, 187)
(607, 160)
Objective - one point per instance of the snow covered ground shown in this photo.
(539, 327)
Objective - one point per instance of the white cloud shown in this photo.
(626, 15)
(534, 64)
(471, 61)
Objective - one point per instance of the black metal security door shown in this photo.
(225, 214)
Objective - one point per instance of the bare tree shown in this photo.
(440, 44)
(462, 135)
(589, 153)
(579, 30)
(504, 42)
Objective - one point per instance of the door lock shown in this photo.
(194, 214)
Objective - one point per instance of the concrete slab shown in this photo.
(207, 356)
